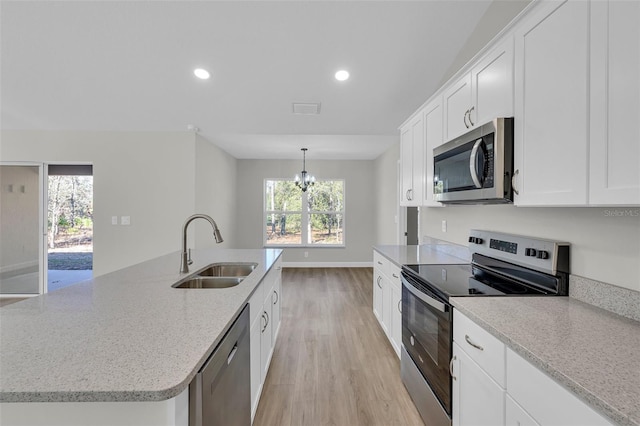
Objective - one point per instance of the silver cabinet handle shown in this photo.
(465, 119)
(513, 182)
(472, 163)
(409, 194)
(277, 297)
(400, 305)
(379, 278)
(472, 123)
(232, 354)
(379, 263)
(475, 345)
(264, 327)
(451, 368)
(395, 276)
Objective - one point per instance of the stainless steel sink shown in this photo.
(209, 282)
(228, 270)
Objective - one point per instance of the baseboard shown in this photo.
(327, 264)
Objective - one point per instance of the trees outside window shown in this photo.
(311, 218)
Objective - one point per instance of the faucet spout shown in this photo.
(186, 261)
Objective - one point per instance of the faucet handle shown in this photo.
(189, 260)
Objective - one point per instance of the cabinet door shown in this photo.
(615, 103)
(433, 138)
(276, 305)
(492, 85)
(551, 108)
(516, 416)
(386, 305)
(265, 338)
(477, 399)
(457, 103)
(396, 317)
(406, 165)
(256, 369)
(377, 294)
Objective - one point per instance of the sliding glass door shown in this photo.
(23, 263)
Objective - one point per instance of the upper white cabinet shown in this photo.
(615, 103)
(412, 161)
(484, 93)
(432, 114)
(551, 105)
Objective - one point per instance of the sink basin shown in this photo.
(209, 282)
(228, 270)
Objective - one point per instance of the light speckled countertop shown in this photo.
(590, 351)
(433, 254)
(123, 336)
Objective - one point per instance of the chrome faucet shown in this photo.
(186, 254)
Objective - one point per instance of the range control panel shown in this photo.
(548, 256)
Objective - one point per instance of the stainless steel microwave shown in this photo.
(476, 168)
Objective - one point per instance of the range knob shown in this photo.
(475, 240)
(542, 254)
(530, 252)
(479, 240)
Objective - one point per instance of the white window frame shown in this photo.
(304, 217)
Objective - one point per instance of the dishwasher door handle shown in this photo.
(232, 354)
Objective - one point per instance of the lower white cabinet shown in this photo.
(492, 385)
(477, 399)
(387, 299)
(265, 313)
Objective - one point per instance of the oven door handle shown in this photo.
(426, 299)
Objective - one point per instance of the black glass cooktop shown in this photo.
(465, 280)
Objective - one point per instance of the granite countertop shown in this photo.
(591, 351)
(435, 253)
(123, 336)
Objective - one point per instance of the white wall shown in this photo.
(19, 226)
(604, 245)
(146, 175)
(386, 183)
(360, 194)
(215, 194)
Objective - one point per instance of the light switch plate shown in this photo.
(444, 226)
(114, 220)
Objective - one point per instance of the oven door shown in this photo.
(427, 334)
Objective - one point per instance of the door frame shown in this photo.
(42, 252)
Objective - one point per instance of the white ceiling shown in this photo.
(128, 65)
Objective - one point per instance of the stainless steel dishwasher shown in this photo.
(220, 394)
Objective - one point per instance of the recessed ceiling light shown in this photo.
(342, 75)
(201, 73)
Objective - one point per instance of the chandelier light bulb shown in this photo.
(342, 75)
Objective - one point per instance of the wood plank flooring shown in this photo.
(332, 364)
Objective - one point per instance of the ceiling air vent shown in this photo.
(306, 109)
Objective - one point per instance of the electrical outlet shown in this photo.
(306, 254)
(444, 226)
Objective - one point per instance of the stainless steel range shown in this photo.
(502, 265)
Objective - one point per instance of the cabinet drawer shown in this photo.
(381, 263)
(544, 399)
(481, 346)
(255, 303)
(394, 275)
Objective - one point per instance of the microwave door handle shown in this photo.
(426, 299)
(472, 164)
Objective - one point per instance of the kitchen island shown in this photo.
(127, 336)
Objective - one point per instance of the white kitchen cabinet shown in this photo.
(551, 105)
(412, 162)
(395, 305)
(433, 138)
(516, 416)
(478, 375)
(482, 94)
(387, 299)
(265, 314)
(615, 103)
(477, 399)
(545, 400)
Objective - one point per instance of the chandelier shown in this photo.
(304, 180)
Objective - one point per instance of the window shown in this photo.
(296, 218)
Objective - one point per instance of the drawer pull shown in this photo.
(395, 276)
(451, 368)
(466, 337)
(379, 263)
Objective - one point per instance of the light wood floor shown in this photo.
(332, 364)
